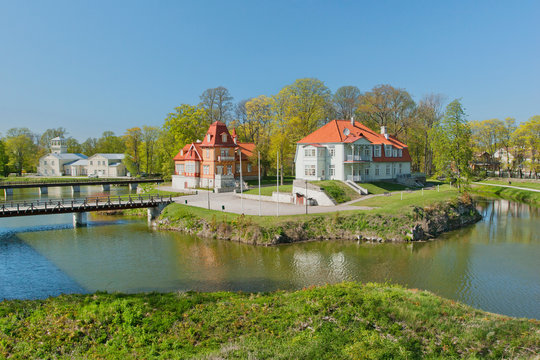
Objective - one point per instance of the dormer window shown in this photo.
(224, 137)
(208, 136)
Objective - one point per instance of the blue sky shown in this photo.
(92, 66)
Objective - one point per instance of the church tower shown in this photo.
(58, 145)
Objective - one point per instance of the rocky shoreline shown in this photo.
(422, 224)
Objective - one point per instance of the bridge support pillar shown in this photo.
(79, 219)
(8, 193)
(106, 187)
(154, 212)
(133, 186)
(75, 189)
(43, 190)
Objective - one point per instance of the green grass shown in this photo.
(394, 204)
(514, 182)
(529, 197)
(268, 190)
(338, 190)
(270, 180)
(380, 187)
(343, 321)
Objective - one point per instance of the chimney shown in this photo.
(383, 132)
(352, 120)
(234, 139)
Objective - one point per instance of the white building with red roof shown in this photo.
(214, 162)
(350, 151)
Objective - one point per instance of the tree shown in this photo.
(133, 140)
(257, 128)
(304, 106)
(187, 124)
(346, 101)
(451, 144)
(387, 106)
(527, 136)
(49, 134)
(486, 135)
(150, 135)
(89, 146)
(428, 114)
(4, 159)
(109, 143)
(22, 151)
(73, 145)
(218, 104)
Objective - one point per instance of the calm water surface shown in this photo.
(493, 265)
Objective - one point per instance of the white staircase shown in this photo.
(357, 187)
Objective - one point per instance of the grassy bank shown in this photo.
(529, 197)
(381, 187)
(337, 190)
(380, 224)
(531, 184)
(343, 321)
(268, 190)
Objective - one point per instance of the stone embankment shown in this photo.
(420, 224)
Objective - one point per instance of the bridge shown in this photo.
(75, 184)
(79, 207)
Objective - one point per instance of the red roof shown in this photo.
(191, 151)
(342, 131)
(247, 150)
(214, 136)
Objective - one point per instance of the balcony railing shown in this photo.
(225, 158)
(355, 178)
(358, 158)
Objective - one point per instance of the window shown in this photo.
(332, 151)
(322, 172)
(367, 152)
(91, 162)
(52, 171)
(224, 137)
(52, 162)
(309, 170)
(394, 153)
(208, 137)
(207, 153)
(387, 169)
(377, 170)
(377, 151)
(400, 168)
(180, 169)
(367, 171)
(219, 170)
(224, 152)
(206, 169)
(249, 167)
(400, 153)
(332, 170)
(229, 170)
(45, 162)
(309, 152)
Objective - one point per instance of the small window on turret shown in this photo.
(224, 137)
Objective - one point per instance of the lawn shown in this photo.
(514, 182)
(394, 204)
(338, 190)
(268, 190)
(270, 180)
(380, 187)
(526, 196)
(342, 321)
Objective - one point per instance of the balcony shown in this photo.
(358, 158)
(356, 178)
(225, 158)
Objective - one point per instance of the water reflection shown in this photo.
(492, 265)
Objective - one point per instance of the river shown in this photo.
(493, 265)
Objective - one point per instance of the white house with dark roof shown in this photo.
(106, 165)
(350, 151)
(59, 161)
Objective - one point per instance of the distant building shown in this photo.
(350, 151)
(214, 162)
(59, 163)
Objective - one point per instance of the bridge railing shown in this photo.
(84, 202)
(64, 180)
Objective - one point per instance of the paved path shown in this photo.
(507, 186)
(234, 204)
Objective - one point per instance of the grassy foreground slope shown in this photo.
(529, 197)
(343, 321)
